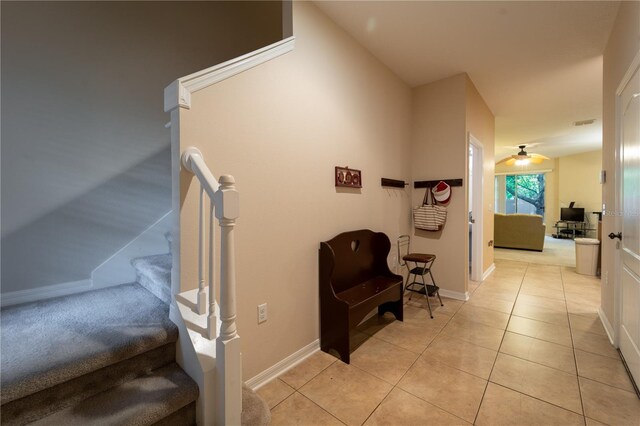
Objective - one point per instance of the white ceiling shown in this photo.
(538, 65)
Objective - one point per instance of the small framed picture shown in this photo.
(346, 177)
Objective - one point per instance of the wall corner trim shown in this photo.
(489, 271)
(607, 327)
(178, 93)
(46, 292)
(280, 367)
(454, 294)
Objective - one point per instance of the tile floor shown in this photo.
(528, 348)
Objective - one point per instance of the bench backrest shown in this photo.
(351, 258)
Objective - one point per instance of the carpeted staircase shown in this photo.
(102, 357)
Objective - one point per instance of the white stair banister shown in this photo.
(224, 203)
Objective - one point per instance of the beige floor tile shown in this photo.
(450, 307)
(543, 302)
(543, 284)
(594, 343)
(609, 405)
(384, 360)
(448, 388)
(489, 292)
(542, 292)
(502, 406)
(462, 355)
(493, 304)
(603, 369)
(539, 351)
(545, 383)
(591, 422)
(356, 339)
(299, 411)
(541, 314)
(275, 392)
(582, 308)
(346, 392)
(416, 310)
(402, 408)
(307, 369)
(473, 332)
(585, 323)
(483, 316)
(376, 323)
(553, 333)
(414, 336)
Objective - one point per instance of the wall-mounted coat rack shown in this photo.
(432, 183)
(394, 183)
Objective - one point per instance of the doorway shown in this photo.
(475, 179)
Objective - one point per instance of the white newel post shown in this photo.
(228, 357)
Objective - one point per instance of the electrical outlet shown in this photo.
(262, 313)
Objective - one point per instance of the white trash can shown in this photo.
(587, 255)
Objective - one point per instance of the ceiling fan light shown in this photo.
(522, 162)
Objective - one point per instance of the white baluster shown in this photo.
(201, 302)
(212, 319)
(229, 373)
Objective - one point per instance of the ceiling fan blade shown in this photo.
(536, 160)
(509, 161)
(540, 156)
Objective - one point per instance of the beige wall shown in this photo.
(280, 129)
(623, 45)
(439, 151)
(481, 124)
(579, 181)
(444, 112)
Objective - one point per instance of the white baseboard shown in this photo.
(607, 326)
(47, 292)
(289, 362)
(454, 294)
(489, 271)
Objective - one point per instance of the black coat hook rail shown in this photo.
(394, 183)
(432, 183)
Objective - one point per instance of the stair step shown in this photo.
(142, 401)
(47, 401)
(154, 274)
(46, 343)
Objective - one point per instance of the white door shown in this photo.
(630, 209)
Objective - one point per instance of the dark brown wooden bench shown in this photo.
(354, 280)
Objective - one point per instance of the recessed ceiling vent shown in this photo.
(584, 122)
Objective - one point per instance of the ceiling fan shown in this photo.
(522, 158)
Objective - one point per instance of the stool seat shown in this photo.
(419, 257)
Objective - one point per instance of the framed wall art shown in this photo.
(349, 178)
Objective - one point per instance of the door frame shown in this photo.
(617, 284)
(477, 236)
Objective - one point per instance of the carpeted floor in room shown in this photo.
(556, 252)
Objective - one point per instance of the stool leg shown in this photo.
(426, 294)
(408, 277)
(434, 283)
